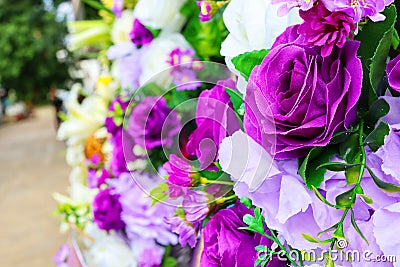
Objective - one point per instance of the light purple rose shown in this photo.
(215, 119)
(107, 211)
(225, 245)
(152, 123)
(299, 99)
(393, 72)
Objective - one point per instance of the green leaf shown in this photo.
(395, 39)
(339, 232)
(98, 5)
(377, 110)
(367, 199)
(377, 137)
(336, 166)
(376, 39)
(159, 193)
(309, 165)
(350, 149)
(236, 98)
(310, 238)
(388, 187)
(345, 199)
(246, 62)
(352, 174)
(354, 223)
(169, 262)
(322, 198)
(247, 202)
(339, 138)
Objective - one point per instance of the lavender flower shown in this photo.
(62, 255)
(287, 5)
(205, 10)
(185, 230)
(179, 180)
(393, 72)
(195, 204)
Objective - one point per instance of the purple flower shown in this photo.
(152, 123)
(117, 108)
(195, 204)
(151, 254)
(358, 9)
(140, 35)
(297, 99)
(178, 57)
(141, 218)
(226, 245)
(185, 79)
(289, 4)
(179, 180)
(215, 119)
(186, 231)
(122, 152)
(205, 10)
(107, 211)
(326, 29)
(128, 65)
(118, 7)
(393, 72)
(96, 179)
(62, 255)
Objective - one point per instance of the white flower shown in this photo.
(108, 250)
(252, 26)
(154, 64)
(161, 14)
(122, 27)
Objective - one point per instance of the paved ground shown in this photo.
(32, 167)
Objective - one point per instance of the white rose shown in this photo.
(122, 27)
(252, 26)
(154, 63)
(161, 14)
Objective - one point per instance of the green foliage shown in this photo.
(376, 40)
(246, 62)
(388, 187)
(310, 169)
(205, 37)
(30, 39)
(376, 138)
(159, 194)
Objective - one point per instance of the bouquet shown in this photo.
(236, 133)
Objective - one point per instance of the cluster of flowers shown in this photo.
(289, 148)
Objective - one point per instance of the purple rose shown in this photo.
(215, 119)
(226, 245)
(298, 99)
(107, 211)
(140, 35)
(152, 123)
(393, 72)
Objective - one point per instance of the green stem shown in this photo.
(204, 180)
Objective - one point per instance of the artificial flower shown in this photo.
(297, 99)
(152, 123)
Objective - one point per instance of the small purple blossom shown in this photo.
(326, 29)
(359, 9)
(117, 108)
(97, 178)
(287, 5)
(107, 210)
(62, 255)
(118, 7)
(195, 204)
(205, 10)
(178, 56)
(152, 123)
(186, 231)
(185, 79)
(140, 35)
(179, 180)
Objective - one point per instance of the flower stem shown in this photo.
(204, 180)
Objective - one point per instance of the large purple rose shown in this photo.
(393, 72)
(299, 99)
(152, 123)
(107, 211)
(226, 245)
(215, 119)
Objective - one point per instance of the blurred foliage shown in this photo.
(30, 38)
